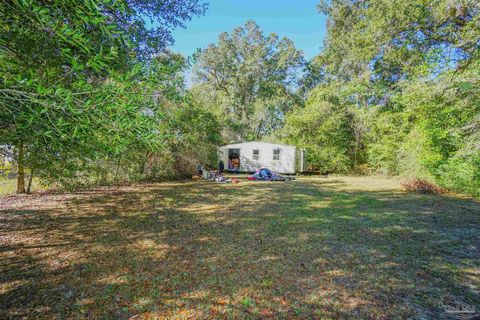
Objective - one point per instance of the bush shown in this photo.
(461, 175)
(421, 186)
(327, 159)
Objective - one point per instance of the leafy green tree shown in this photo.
(325, 128)
(390, 40)
(404, 80)
(251, 78)
(71, 75)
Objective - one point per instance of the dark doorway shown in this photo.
(234, 160)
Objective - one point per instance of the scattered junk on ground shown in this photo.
(217, 176)
(263, 174)
(213, 175)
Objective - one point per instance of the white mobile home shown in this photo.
(251, 156)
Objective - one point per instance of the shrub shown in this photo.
(461, 175)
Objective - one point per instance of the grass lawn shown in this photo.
(322, 248)
(8, 186)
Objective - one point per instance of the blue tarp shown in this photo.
(265, 174)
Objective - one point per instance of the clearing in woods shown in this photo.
(338, 247)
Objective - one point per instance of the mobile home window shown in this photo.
(256, 154)
(276, 154)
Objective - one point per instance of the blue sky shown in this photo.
(298, 20)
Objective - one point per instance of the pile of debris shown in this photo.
(265, 174)
(213, 175)
(218, 177)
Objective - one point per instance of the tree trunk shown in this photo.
(29, 184)
(116, 170)
(20, 169)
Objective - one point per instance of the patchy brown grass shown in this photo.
(341, 248)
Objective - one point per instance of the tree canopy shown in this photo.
(404, 76)
(391, 40)
(252, 78)
(89, 93)
(83, 82)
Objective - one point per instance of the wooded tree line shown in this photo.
(395, 90)
(90, 95)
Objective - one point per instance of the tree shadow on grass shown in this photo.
(304, 249)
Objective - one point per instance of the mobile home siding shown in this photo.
(286, 163)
